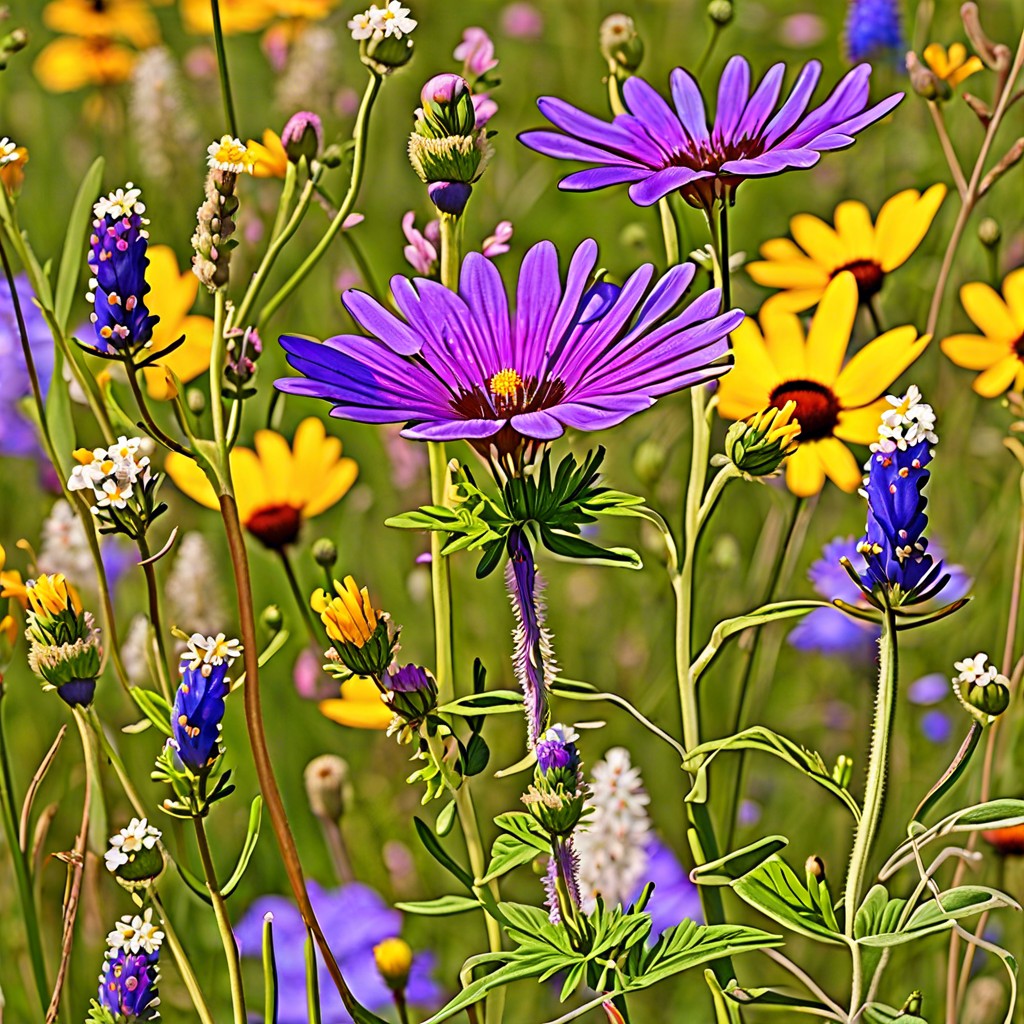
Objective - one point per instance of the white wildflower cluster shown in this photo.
(975, 672)
(65, 547)
(122, 202)
(138, 934)
(165, 129)
(137, 836)
(206, 651)
(113, 473)
(230, 154)
(381, 22)
(613, 848)
(8, 151)
(908, 422)
(192, 584)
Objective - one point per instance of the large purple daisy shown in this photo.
(659, 150)
(462, 365)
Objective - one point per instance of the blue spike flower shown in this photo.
(873, 30)
(117, 260)
(128, 985)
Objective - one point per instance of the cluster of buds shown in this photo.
(981, 688)
(362, 638)
(557, 796)
(244, 348)
(382, 34)
(757, 447)
(131, 973)
(133, 855)
(117, 261)
(227, 158)
(64, 640)
(448, 147)
(123, 485)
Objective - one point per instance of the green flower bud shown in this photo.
(196, 400)
(272, 620)
(842, 772)
(991, 698)
(720, 12)
(989, 232)
(325, 552)
(327, 786)
(757, 447)
(621, 45)
(386, 54)
(134, 856)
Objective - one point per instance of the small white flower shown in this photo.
(212, 650)
(975, 671)
(909, 422)
(113, 494)
(362, 25)
(563, 734)
(395, 20)
(8, 151)
(121, 203)
(137, 836)
(136, 934)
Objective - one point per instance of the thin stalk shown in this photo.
(360, 135)
(269, 972)
(723, 255)
(220, 912)
(284, 201)
(947, 149)
(188, 975)
(117, 764)
(669, 232)
(22, 875)
(154, 428)
(218, 352)
(441, 581)
(300, 599)
(878, 770)
(709, 49)
(155, 616)
(222, 67)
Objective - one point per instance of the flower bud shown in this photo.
(842, 771)
(720, 12)
(333, 155)
(134, 855)
(385, 54)
(244, 348)
(363, 637)
(327, 786)
(303, 136)
(815, 867)
(447, 107)
(995, 55)
(621, 45)
(758, 446)
(913, 1005)
(991, 698)
(411, 693)
(393, 958)
(325, 552)
(15, 40)
(450, 197)
(924, 81)
(196, 400)
(989, 232)
(272, 619)
(557, 797)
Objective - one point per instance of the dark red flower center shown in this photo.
(869, 276)
(710, 157)
(275, 525)
(817, 408)
(1018, 348)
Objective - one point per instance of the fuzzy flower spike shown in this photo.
(658, 149)
(463, 366)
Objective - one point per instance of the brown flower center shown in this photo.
(1018, 348)
(869, 276)
(275, 525)
(817, 408)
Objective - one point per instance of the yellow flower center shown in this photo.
(505, 383)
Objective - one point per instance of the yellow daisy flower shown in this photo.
(999, 349)
(271, 160)
(276, 486)
(104, 19)
(70, 63)
(11, 583)
(360, 705)
(235, 15)
(835, 403)
(171, 297)
(953, 65)
(802, 268)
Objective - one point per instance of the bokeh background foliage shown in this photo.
(613, 627)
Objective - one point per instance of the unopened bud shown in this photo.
(332, 155)
(924, 81)
(995, 55)
(989, 232)
(447, 107)
(815, 867)
(720, 11)
(385, 54)
(14, 41)
(621, 45)
(196, 400)
(757, 447)
(914, 1004)
(327, 786)
(990, 698)
(842, 771)
(272, 619)
(393, 958)
(303, 136)
(325, 552)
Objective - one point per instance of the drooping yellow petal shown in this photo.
(270, 156)
(805, 474)
(829, 335)
(191, 480)
(855, 230)
(997, 378)
(839, 464)
(1013, 293)
(746, 388)
(860, 426)
(973, 351)
(971, 66)
(986, 308)
(818, 240)
(877, 365)
(903, 222)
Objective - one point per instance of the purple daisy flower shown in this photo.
(462, 366)
(658, 150)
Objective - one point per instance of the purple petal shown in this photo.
(796, 103)
(601, 177)
(647, 104)
(379, 322)
(540, 424)
(733, 93)
(689, 103)
(661, 183)
(772, 163)
(762, 103)
(602, 413)
(452, 430)
(566, 147)
(481, 286)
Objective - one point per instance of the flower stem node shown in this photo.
(363, 637)
(621, 45)
(757, 447)
(557, 796)
(393, 958)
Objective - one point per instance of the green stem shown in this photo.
(878, 768)
(360, 135)
(284, 201)
(155, 617)
(188, 975)
(441, 581)
(156, 431)
(716, 31)
(220, 912)
(669, 231)
(222, 66)
(117, 764)
(22, 875)
(218, 352)
(722, 250)
(300, 599)
(269, 972)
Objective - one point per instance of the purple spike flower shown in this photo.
(461, 365)
(658, 149)
(197, 712)
(533, 657)
(873, 30)
(128, 985)
(117, 260)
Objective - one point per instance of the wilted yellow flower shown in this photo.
(953, 65)
(349, 617)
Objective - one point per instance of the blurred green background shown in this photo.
(612, 627)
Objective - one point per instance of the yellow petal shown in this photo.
(986, 308)
(1013, 293)
(820, 242)
(839, 464)
(860, 426)
(125, 19)
(936, 59)
(996, 379)
(968, 68)
(69, 63)
(805, 475)
(333, 487)
(276, 468)
(903, 221)
(746, 388)
(784, 339)
(793, 301)
(313, 454)
(235, 15)
(855, 230)
(973, 351)
(877, 365)
(782, 250)
(171, 295)
(250, 482)
(829, 334)
(360, 705)
(803, 273)
(190, 479)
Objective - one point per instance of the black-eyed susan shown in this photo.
(360, 706)
(952, 66)
(803, 267)
(171, 298)
(999, 350)
(277, 485)
(835, 403)
(235, 15)
(131, 20)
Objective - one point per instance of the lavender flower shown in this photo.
(461, 366)
(117, 260)
(873, 30)
(128, 986)
(658, 150)
(354, 919)
(303, 136)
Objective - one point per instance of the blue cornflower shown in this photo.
(873, 30)
(128, 985)
(117, 260)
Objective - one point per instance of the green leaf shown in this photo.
(445, 819)
(491, 702)
(252, 835)
(59, 421)
(437, 851)
(762, 739)
(507, 853)
(880, 1013)
(477, 754)
(443, 906)
(74, 243)
(770, 999)
(154, 706)
(519, 968)
(726, 870)
(194, 882)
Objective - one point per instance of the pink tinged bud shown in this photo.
(352, 220)
(446, 88)
(476, 51)
(303, 136)
(522, 21)
(497, 244)
(420, 254)
(484, 108)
